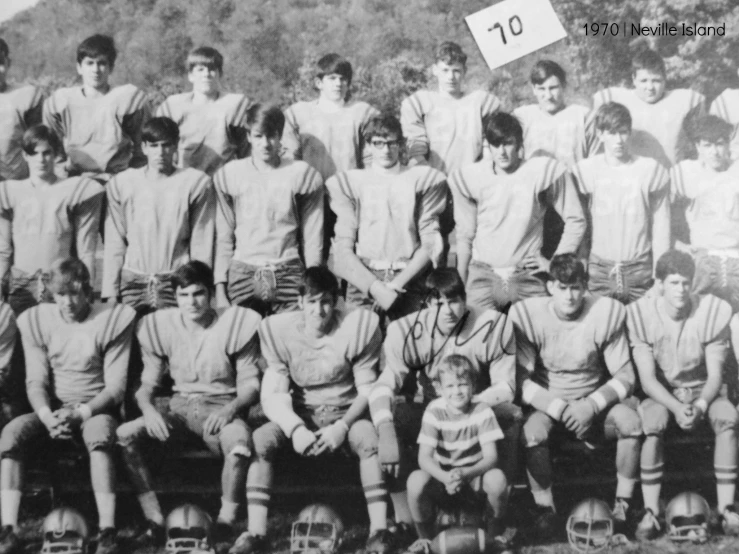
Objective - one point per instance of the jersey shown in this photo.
(263, 215)
(560, 135)
(712, 198)
(385, 216)
(457, 438)
(625, 201)
(446, 131)
(213, 360)
(726, 106)
(330, 141)
(157, 225)
(327, 370)
(679, 347)
(20, 109)
(566, 360)
(75, 361)
(8, 335)
(100, 135)
(507, 210)
(657, 129)
(211, 134)
(49, 222)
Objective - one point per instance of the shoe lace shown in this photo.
(730, 516)
(107, 536)
(619, 509)
(650, 520)
(420, 546)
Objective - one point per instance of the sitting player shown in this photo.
(269, 222)
(214, 384)
(501, 201)
(679, 346)
(20, 109)
(160, 217)
(630, 208)
(76, 360)
(212, 123)
(99, 126)
(456, 450)
(387, 228)
(50, 219)
(573, 349)
(321, 364)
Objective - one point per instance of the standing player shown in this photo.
(630, 207)
(20, 109)
(679, 345)
(214, 385)
(387, 228)
(160, 217)
(574, 353)
(76, 362)
(499, 207)
(269, 221)
(99, 125)
(48, 218)
(212, 123)
(321, 364)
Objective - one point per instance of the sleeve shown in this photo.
(414, 127)
(6, 230)
(365, 350)
(430, 434)
(563, 197)
(716, 320)
(242, 344)
(53, 118)
(225, 226)
(133, 122)
(153, 339)
(86, 206)
(719, 107)
(370, 113)
(309, 198)
(8, 333)
(636, 324)
(677, 183)
(499, 353)
(465, 209)
(202, 220)
(117, 339)
(433, 194)
(34, 350)
(116, 243)
(488, 429)
(33, 114)
(490, 104)
(291, 136)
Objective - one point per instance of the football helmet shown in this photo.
(688, 518)
(65, 531)
(189, 530)
(318, 530)
(590, 526)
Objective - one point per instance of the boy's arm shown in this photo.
(489, 461)
(414, 129)
(660, 208)
(465, 216)
(310, 197)
(6, 231)
(488, 432)
(427, 463)
(225, 229)
(86, 221)
(563, 197)
(716, 355)
(116, 244)
(202, 221)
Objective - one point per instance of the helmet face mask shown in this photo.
(590, 526)
(188, 529)
(687, 516)
(65, 531)
(317, 530)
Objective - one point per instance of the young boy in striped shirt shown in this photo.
(457, 453)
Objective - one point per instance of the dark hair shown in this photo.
(543, 69)
(675, 262)
(160, 129)
(613, 118)
(207, 56)
(458, 365)
(40, 133)
(451, 53)
(710, 128)
(502, 128)
(4, 50)
(446, 282)
(193, 272)
(333, 63)
(568, 270)
(648, 60)
(69, 275)
(265, 118)
(96, 46)
(383, 126)
(318, 280)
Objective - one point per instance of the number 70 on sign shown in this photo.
(511, 29)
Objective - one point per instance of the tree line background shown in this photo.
(270, 45)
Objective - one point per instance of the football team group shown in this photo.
(290, 271)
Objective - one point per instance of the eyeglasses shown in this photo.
(379, 144)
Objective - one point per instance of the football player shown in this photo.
(269, 222)
(160, 217)
(679, 345)
(321, 363)
(76, 356)
(214, 384)
(578, 378)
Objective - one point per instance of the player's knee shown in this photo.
(654, 418)
(363, 439)
(628, 424)
(130, 432)
(417, 482)
(99, 432)
(13, 436)
(725, 418)
(494, 482)
(235, 439)
(535, 432)
(268, 439)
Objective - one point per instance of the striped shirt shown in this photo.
(212, 360)
(446, 131)
(49, 222)
(625, 202)
(20, 109)
(330, 141)
(679, 347)
(263, 215)
(458, 437)
(560, 135)
(8, 335)
(385, 216)
(726, 106)
(102, 134)
(157, 225)
(507, 210)
(75, 361)
(211, 134)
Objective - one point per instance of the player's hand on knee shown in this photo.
(155, 424)
(688, 417)
(383, 295)
(218, 420)
(303, 440)
(332, 436)
(583, 411)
